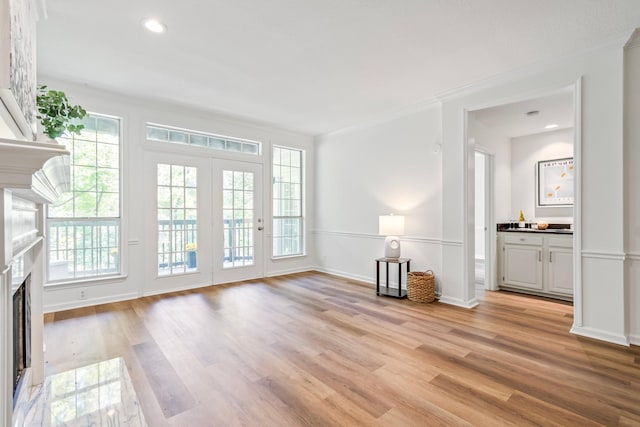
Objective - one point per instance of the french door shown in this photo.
(238, 223)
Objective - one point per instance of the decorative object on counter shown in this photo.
(421, 286)
(56, 114)
(521, 219)
(555, 182)
(542, 225)
(391, 226)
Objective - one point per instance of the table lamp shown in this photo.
(391, 226)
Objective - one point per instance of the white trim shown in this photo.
(344, 274)
(86, 281)
(634, 40)
(632, 256)
(289, 271)
(577, 205)
(382, 118)
(634, 339)
(89, 302)
(181, 288)
(458, 302)
(526, 71)
(419, 239)
(286, 257)
(451, 243)
(615, 256)
(600, 335)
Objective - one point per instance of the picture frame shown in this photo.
(555, 182)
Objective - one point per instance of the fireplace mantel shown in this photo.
(32, 174)
(36, 171)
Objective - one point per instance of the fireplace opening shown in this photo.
(21, 332)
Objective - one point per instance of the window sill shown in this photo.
(287, 257)
(87, 282)
(186, 273)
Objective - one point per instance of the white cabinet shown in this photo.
(536, 263)
(523, 261)
(560, 265)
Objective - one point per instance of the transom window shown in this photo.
(201, 139)
(177, 209)
(83, 237)
(287, 202)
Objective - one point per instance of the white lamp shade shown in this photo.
(391, 225)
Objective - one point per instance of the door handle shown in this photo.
(550, 256)
(260, 228)
(539, 256)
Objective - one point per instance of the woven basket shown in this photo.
(421, 286)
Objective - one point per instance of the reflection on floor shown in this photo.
(96, 395)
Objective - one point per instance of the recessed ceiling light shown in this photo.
(154, 26)
(551, 126)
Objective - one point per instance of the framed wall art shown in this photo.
(555, 182)
(18, 63)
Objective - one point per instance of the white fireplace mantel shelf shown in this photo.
(36, 171)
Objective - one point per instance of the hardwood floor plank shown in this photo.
(314, 349)
(170, 391)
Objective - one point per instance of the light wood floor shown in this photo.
(313, 349)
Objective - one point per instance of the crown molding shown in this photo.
(634, 40)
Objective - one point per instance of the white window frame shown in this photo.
(274, 200)
(75, 277)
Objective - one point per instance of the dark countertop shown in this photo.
(531, 230)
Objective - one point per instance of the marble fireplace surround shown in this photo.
(32, 174)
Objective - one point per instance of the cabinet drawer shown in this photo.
(523, 239)
(560, 241)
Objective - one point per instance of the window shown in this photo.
(83, 238)
(177, 209)
(287, 202)
(200, 139)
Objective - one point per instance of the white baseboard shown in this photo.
(69, 305)
(345, 275)
(634, 339)
(289, 271)
(458, 302)
(175, 289)
(600, 335)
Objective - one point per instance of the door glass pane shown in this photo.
(238, 218)
(177, 219)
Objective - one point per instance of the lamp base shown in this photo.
(392, 247)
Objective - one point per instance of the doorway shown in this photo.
(208, 225)
(485, 233)
(238, 225)
(507, 141)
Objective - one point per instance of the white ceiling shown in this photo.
(314, 65)
(511, 120)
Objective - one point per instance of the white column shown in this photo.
(6, 310)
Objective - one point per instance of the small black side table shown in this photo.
(387, 291)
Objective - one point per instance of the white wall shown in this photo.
(385, 168)
(526, 151)
(139, 244)
(600, 298)
(499, 146)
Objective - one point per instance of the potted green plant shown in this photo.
(56, 114)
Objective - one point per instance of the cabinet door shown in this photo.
(560, 270)
(523, 266)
